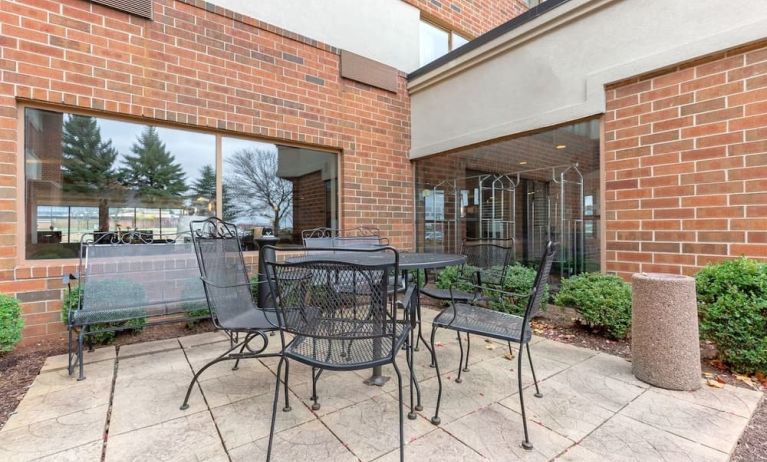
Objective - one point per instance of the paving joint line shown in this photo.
(107, 421)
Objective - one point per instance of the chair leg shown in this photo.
(538, 393)
(244, 344)
(436, 420)
(69, 351)
(223, 357)
(401, 412)
(315, 375)
(418, 313)
(274, 410)
(287, 407)
(80, 353)
(468, 349)
(526, 443)
(511, 350)
(460, 361)
(409, 356)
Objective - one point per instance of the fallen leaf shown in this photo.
(509, 356)
(714, 383)
(490, 346)
(708, 375)
(747, 380)
(487, 340)
(720, 379)
(719, 364)
(439, 344)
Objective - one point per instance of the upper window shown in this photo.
(89, 174)
(436, 41)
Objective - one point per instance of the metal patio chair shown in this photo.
(228, 293)
(462, 317)
(487, 262)
(340, 330)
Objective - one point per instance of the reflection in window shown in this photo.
(434, 42)
(457, 40)
(86, 174)
(283, 188)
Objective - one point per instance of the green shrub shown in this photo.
(519, 280)
(11, 323)
(111, 294)
(604, 301)
(732, 308)
(458, 277)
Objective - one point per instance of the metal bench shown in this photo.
(130, 277)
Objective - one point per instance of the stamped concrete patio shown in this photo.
(592, 410)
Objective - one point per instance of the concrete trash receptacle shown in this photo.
(665, 350)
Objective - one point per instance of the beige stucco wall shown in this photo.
(554, 68)
(383, 30)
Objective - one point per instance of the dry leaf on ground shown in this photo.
(714, 383)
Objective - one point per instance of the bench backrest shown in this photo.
(157, 278)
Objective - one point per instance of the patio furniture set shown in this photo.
(344, 301)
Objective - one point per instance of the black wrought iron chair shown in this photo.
(462, 317)
(487, 262)
(334, 329)
(228, 292)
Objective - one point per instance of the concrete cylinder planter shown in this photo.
(664, 331)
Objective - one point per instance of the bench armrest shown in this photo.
(228, 286)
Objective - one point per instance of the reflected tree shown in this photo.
(230, 212)
(153, 171)
(203, 189)
(88, 163)
(255, 188)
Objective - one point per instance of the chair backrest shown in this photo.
(223, 270)
(335, 296)
(541, 279)
(495, 255)
(330, 238)
(132, 276)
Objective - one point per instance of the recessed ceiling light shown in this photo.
(524, 162)
(561, 146)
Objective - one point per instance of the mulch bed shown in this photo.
(19, 368)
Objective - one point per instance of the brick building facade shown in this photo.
(685, 156)
(202, 67)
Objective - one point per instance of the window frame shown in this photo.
(445, 27)
(21, 176)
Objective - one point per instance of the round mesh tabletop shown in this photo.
(407, 260)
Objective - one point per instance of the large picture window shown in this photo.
(87, 174)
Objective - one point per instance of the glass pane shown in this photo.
(530, 189)
(284, 189)
(86, 174)
(459, 40)
(434, 42)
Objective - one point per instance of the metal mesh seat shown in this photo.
(473, 319)
(476, 320)
(445, 294)
(228, 293)
(341, 310)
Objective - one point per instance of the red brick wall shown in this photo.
(471, 17)
(191, 67)
(686, 165)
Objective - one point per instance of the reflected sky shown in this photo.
(192, 150)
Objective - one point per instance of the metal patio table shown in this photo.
(408, 261)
